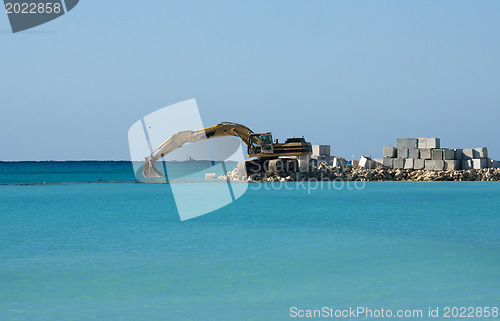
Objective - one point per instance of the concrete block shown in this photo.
(326, 150)
(388, 162)
(494, 164)
(320, 150)
(403, 152)
(450, 165)
(422, 143)
(418, 164)
(468, 153)
(399, 163)
(365, 162)
(433, 143)
(408, 164)
(467, 164)
(390, 152)
(437, 154)
(480, 163)
(355, 162)
(459, 154)
(434, 165)
(429, 165)
(339, 162)
(426, 153)
(384, 162)
(448, 154)
(480, 152)
(413, 153)
(439, 165)
(315, 150)
(407, 143)
(429, 143)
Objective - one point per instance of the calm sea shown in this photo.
(76, 248)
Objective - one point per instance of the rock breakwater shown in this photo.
(325, 172)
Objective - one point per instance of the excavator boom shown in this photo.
(179, 139)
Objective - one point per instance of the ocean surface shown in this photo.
(86, 241)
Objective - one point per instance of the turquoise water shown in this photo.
(84, 250)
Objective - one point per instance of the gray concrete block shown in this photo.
(426, 153)
(388, 162)
(390, 152)
(448, 154)
(433, 143)
(450, 165)
(480, 163)
(422, 143)
(385, 162)
(403, 152)
(365, 162)
(339, 162)
(430, 143)
(418, 164)
(459, 154)
(320, 150)
(408, 164)
(439, 165)
(399, 163)
(429, 165)
(413, 153)
(480, 152)
(326, 150)
(468, 153)
(434, 165)
(437, 154)
(467, 164)
(494, 164)
(407, 143)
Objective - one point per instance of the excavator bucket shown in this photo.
(149, 170)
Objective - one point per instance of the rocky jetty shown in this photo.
(324, 172)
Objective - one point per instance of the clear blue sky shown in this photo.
(353, 74)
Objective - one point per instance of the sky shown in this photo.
(352, 74)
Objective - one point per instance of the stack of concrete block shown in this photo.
(426, 153)
(320, 150)
(321, 153)
(475, 158)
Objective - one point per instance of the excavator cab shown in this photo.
(260, 143)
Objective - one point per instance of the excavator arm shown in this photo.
(179, 139)
(222, 129)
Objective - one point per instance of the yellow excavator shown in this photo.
(271, 155)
